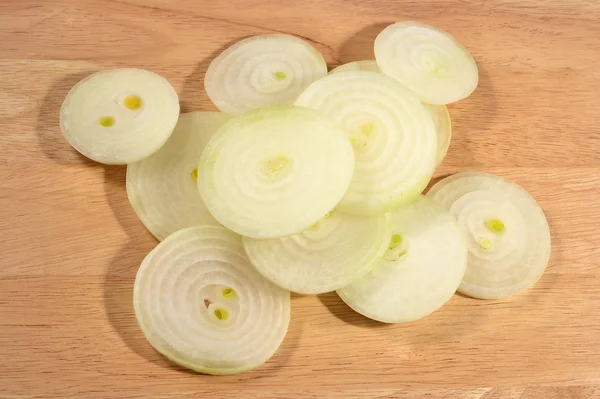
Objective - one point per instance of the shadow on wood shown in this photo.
(455, 319)
(360, 45)
(339, 309)
(50, 137)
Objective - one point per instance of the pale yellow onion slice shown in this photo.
(439, 113)
(421, 270)
(275, 171)
(163, 188)
(119, 116)
(333, 253)
(508, 235)
(261, 71)
(364, 65)
(201, 303)
(428, 60)
(392, 134)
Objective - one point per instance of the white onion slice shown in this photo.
(392, 134)
(508, 235)
(262, 70)
(275, 171)
(201, 303)
(427, 60)
(439, 113)
(163, 188)
(334, 252)
(421, 270)
(119, 116)
(364, 65)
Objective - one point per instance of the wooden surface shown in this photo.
(71, 243)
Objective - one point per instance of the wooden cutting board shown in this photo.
(71, 244)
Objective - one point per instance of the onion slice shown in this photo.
(163, 188)
(392, 133)
(333, 253)
(201, 303)
(428, 60)
(119, 116)
(422, 268)
(275, 171)
(261, 71)
(439, 113)
(508, 235)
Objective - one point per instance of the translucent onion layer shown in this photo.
(201, 303)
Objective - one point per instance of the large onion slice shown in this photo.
(275, 171)
(163, 188)
(331, 254)
(439, 113)
(392, 134)
(201, 303)
(119, 116)
(262, 70)
(427, 60)
(420, 271)
(508, 235)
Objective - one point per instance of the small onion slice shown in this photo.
(261, 71)
(439, 113)
(427, 60)
(507, 233)
(201, 303)
(333, 253)
(275, 171)
(163, 188)
(119, 116)
(392, 133)
(422, 268)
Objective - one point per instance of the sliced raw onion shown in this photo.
(334, 252)
(275, 171)
(439, 113)
(163, 188)
(365, 65)
(422, 268)
(508, 235)
(119, 116)
(262, 70)
(201, 303)
(427, 60)
(392, 134)
(443, 129)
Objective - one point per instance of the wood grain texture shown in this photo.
(71, 244)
